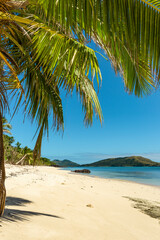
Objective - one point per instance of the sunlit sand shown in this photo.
(53, 204)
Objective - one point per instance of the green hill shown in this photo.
(133, 161)
(65, 163)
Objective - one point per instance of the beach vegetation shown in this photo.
(131, 161)
(6, 126)
(48, 43)
(21, 155)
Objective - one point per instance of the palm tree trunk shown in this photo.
(20, 161)
(2, 170)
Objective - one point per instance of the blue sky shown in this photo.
(131, 125)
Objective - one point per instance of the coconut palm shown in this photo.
(6, 126)
(46, 40)
(2, 170)
(42, 96)
(127, 30)
(120, 28)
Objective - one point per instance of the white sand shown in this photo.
(45, 203)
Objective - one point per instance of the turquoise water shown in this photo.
(145, 175)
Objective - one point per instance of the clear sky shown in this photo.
(131, 125)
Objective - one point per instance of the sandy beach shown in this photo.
(52, 204)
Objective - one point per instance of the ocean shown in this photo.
(145, 175)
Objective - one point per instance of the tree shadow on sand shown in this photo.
(14, 215)
(150, 208)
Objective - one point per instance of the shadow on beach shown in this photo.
(152, 209)
(14, 215)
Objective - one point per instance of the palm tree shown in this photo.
(127, 30)
(2, 170)
(6, 126)
(42, 94)
(27, 155)
(18, 146)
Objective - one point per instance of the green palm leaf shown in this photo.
(124, 29)
(6, 126)
(47, 40)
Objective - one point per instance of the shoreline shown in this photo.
(114, 179)
(45, 203)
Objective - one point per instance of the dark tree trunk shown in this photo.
(2, 170)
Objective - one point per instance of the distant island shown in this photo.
(133, 161)
(65, 163)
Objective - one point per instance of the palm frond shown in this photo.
(64, 51)
(153, 4)
(124, 29)
(127, 30)
(6, 124)
(3, 97)
(42, 101)
(89, 99)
